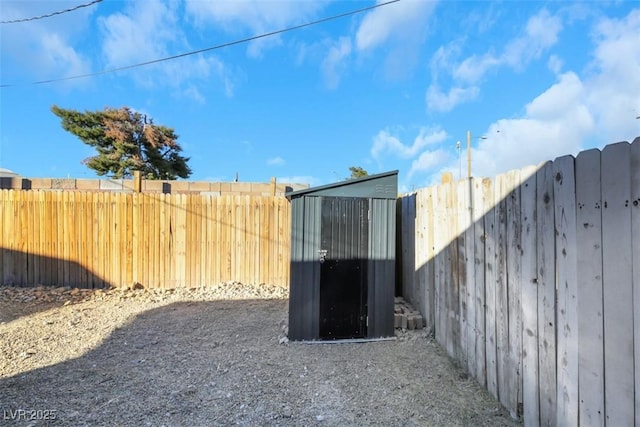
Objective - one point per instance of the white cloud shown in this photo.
(58, 55)
(150, 30)
(140, 33)
(385, 142)
(403, 20)
(298, 179)
(333, 64)
(256, 16)
(428, 161)
(599, 107)
(443, 102)
(444, 59)
(276, 161)
(47, 49)
(473, 68)
(554, 124)
(193, 93)
(555, 64)
(540, 34)
(613, 84)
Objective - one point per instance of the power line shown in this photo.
(49, 15)
(220, 46)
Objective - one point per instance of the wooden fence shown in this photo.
(89, 239)
(532, 283)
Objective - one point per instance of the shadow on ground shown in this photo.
(220, 363)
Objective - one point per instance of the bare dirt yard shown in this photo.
(213, 357)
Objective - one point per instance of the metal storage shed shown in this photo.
(343, 259)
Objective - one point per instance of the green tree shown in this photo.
(357, 172)
(126, 141)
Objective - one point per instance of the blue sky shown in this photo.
(395, 87)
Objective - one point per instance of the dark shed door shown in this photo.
(344, 235)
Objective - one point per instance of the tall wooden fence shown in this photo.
(532, 283)
(90, 239)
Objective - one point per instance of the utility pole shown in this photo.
(458, 144)
(468, 154)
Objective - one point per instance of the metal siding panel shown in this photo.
(305, 236)
(381, 267)
(312, 262)
(296, 288)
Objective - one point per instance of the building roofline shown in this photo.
(339, 184)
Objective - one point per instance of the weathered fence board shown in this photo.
(463, 224)
(502, 296)
(545, 218)
(469, 273)
(618, 296)
(158, 240)
(490, 289)
(635, 261)
(479, 239)
(567, 291)
(538, 289)
(514, 293)
(590, 319)
(530, 387)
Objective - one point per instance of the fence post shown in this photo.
(273, 186)
(137, 182)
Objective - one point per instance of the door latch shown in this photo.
(323, 255)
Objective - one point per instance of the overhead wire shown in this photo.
(49, 15)
(207, 49)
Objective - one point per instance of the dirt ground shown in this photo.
(213, 357)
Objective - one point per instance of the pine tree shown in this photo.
(126, 141)
(357, 172)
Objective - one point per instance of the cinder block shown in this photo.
(63, 184)
(110, 184)
(199, 186)
(40, 183)
(179, 186)
(403, 321)
(259, 188)
(88, 184)
(225, 187)
(214, 187)
(419, 321)
(127, 184)
(397, 320)
(152, 185)
(411, 322)
(241, 187)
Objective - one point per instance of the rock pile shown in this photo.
(67, 295)
(405, 316)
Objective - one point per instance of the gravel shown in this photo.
(213, 356)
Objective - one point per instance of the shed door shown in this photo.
(344, 234)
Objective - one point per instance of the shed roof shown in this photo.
(379, 186)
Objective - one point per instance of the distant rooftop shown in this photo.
(7, 173)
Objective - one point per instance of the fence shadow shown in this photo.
(25, 269)
(220, 363)
(529, 281)
(24, 273)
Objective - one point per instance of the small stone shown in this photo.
(286, 412)
(67, 302)
(283, 340)
(319, 418)
(74, 291)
